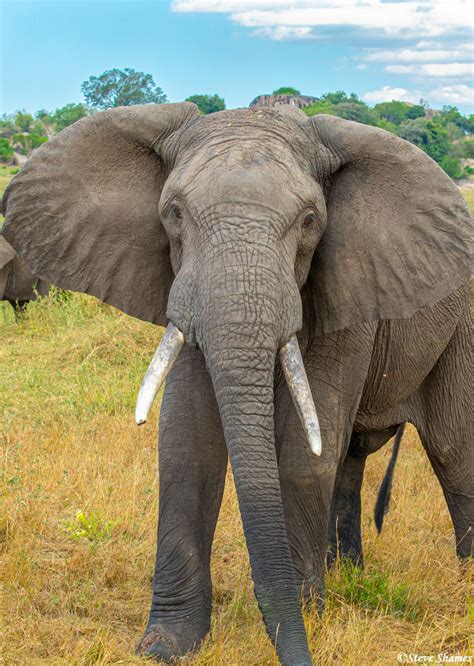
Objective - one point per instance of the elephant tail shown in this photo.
(382, 504)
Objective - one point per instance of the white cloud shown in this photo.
(453, 69)
(460, 94)
(387, 94)
(457, 94)
(415, 18)
(413, 55)
(281, 33)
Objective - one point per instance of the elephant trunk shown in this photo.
(240, 327)
(239, 333)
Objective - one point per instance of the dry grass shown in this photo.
(77, 593)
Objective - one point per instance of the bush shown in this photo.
(286, 90)
(452, 166)
(207, 103)
(6, 151)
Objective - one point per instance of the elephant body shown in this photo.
(243, 230)
(18, 285)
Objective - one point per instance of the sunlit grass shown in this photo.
(468, 195)
(77, 591)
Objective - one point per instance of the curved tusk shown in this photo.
(162, 362)
(295, 375)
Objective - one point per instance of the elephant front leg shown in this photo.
(192, 468)
(336, 366)
(306, 493)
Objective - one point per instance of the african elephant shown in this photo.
(239, 230)
(17, 285)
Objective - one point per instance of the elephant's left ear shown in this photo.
(399, 236)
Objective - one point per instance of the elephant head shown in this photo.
(17, 284)
(241, 228)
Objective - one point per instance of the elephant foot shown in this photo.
(352, 555)
(161, 644)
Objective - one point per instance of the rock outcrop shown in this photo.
(296, 101)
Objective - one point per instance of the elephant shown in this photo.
(314, 275)
(17, 285)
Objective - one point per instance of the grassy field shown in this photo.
(77, 536)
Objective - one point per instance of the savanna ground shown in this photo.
(79, 492)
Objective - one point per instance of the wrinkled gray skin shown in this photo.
(17, 285)
(242, 228)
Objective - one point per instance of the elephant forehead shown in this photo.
(243, 175)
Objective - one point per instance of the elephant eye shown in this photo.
(176, 212)
(309, 220)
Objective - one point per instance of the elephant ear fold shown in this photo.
(83, 212)
(7, 253)
(399, 236)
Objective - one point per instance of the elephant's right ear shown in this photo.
(83, 212)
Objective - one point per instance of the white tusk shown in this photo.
(295, 374)
(162, 362)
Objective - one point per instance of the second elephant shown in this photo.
(18, 285)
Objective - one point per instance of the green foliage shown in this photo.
(7, 126)
(358, 112)
(121, 87)
(451, 115)
(286, 90)
(452, 166)
(467, 149)
(345, 106)
(6, 151)
(323, 106)
(340, 96)
(23, 121)
(207, 103)
(371, 589)
(429, 135)
(397, 112)
(27, 142)
(67, 115)
(91, 528)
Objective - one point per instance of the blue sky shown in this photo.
(380, 49)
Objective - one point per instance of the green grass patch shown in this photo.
(90, 528)
(370, 589)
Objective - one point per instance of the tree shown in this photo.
(207, 103)
(340, 96)
(286, 90)
(429, 135)
(415, 111)
(7, 126)
(121, 87)
(358, 112)
(452, 166)
(350, 108)
(6, 151)
(323, 106)
(23, 121)
(67, 115)
(397, 112)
